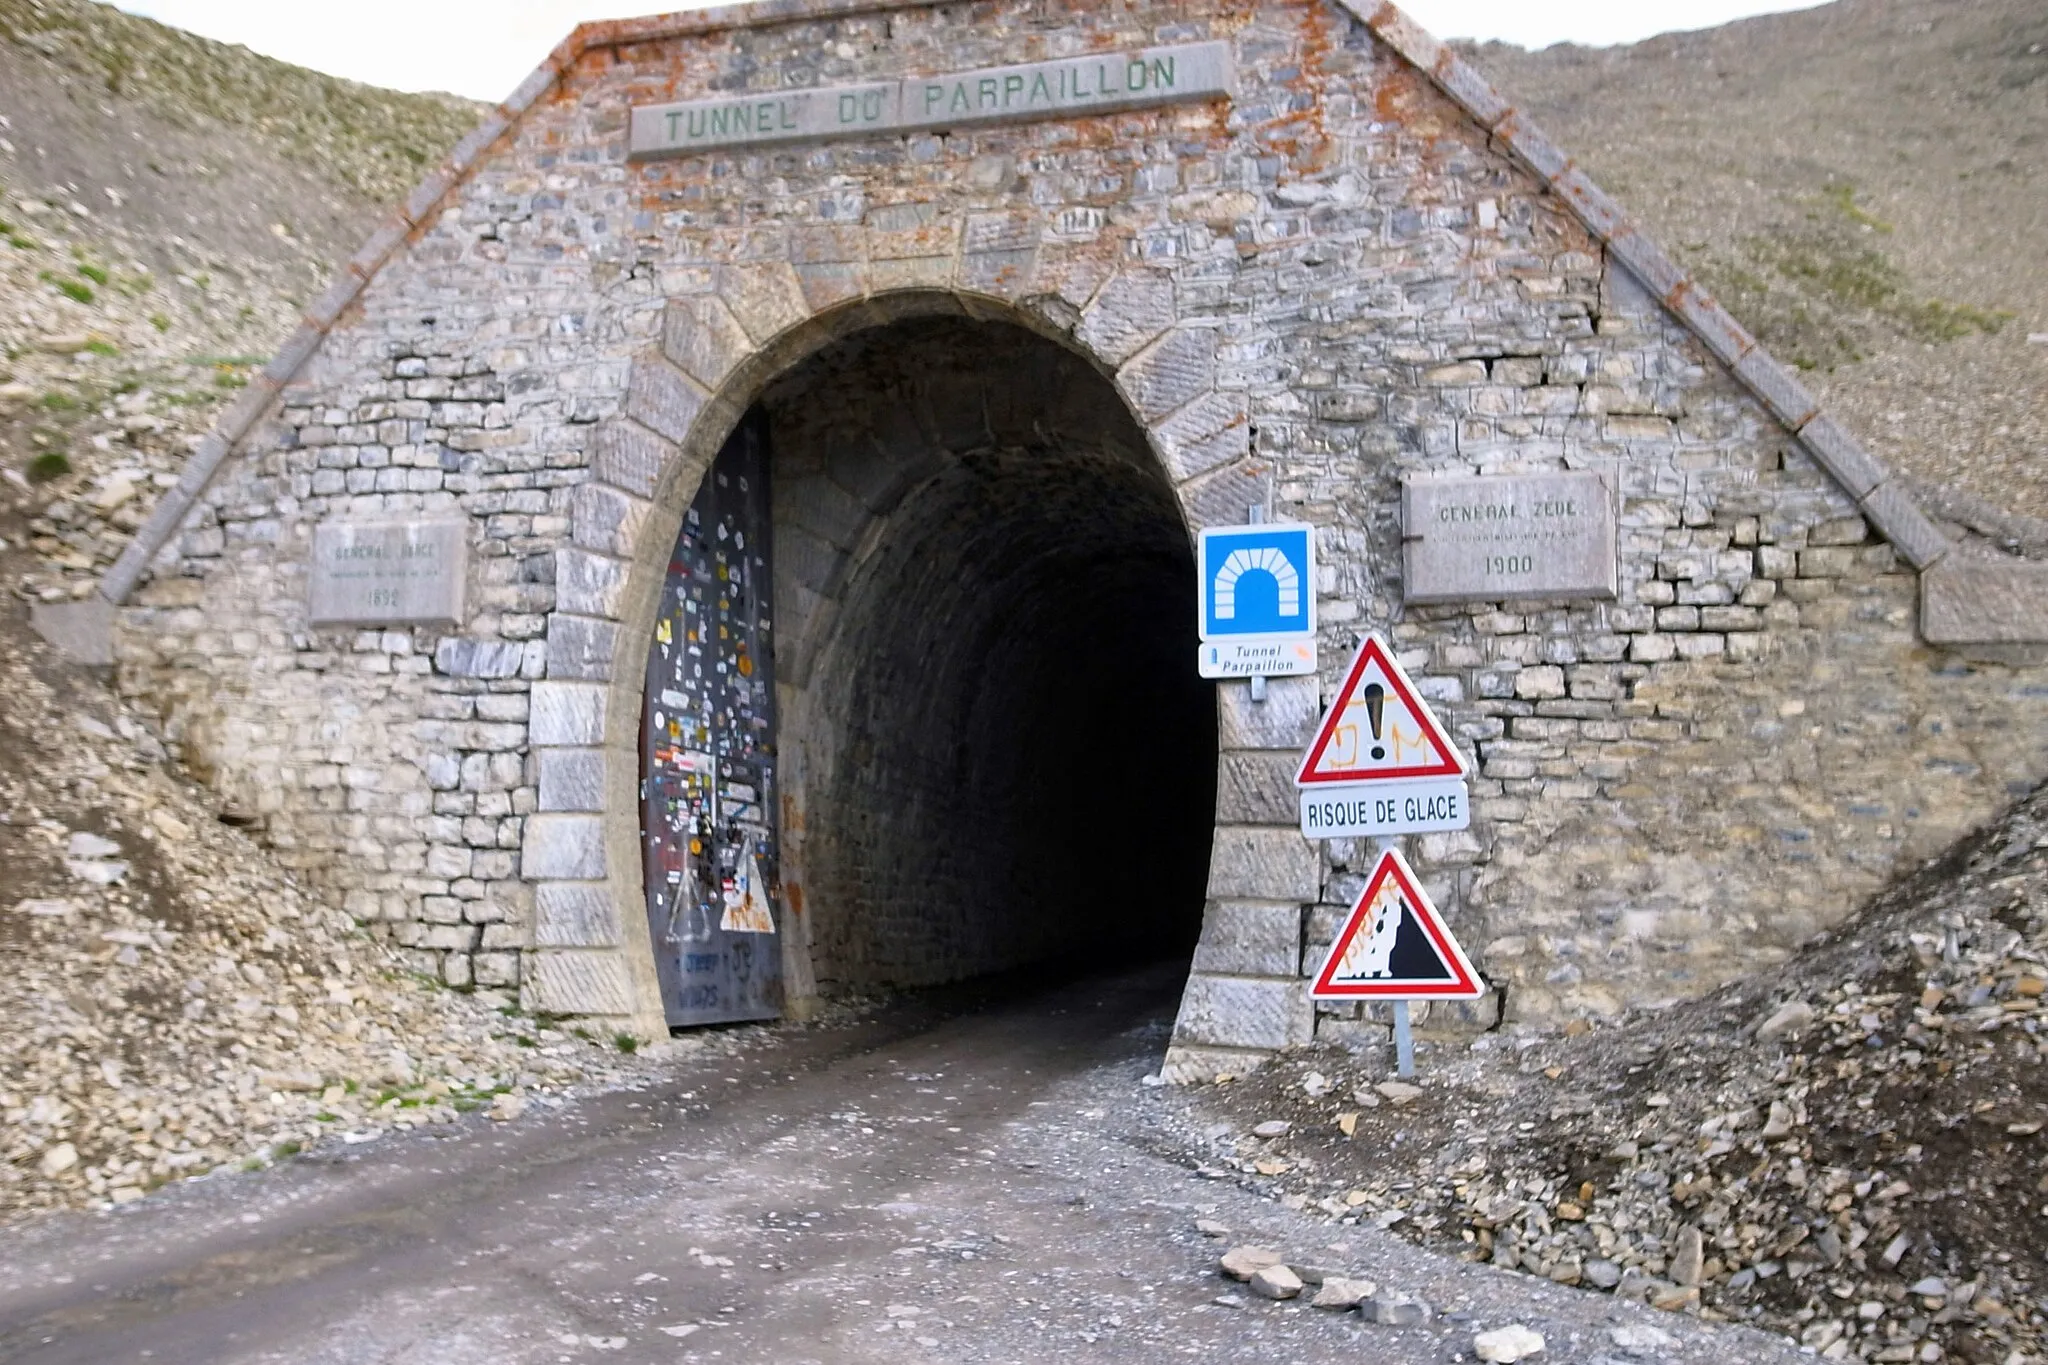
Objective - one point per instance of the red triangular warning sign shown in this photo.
(1378, 729)
(1394, 946)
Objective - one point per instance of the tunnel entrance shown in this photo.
(995, 750)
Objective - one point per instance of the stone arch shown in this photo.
(717, 353)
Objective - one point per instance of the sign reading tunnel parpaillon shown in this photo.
(1095, 84)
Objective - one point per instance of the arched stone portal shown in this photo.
(984, 584)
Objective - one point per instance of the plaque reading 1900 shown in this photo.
(387, 573)
(1508, 535)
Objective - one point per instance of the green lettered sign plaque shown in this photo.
(1098, 84)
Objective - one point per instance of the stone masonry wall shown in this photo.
(1334, 279)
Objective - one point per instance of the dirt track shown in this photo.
(940, 1181)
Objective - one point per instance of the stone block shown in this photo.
(569, 714)
(1247, 1012)
(1966, 600)
(578, 981)
(1472, 91)
(589, 584)
(1212, 431)
(575, 915)
(1250, 939)
(1778, 388)
(562, 848)
(1256, 788)
(82, 632)
(1175, 371)
(1256, 863)
(662, 398)
(1842, 455)
(606, 519)
(571, 779)
(1529, 142)
(1286, 719)
(465, 656)
(1725, 338)
(1129, 314)
(631, 457)
(581, 646)
(1643, 258)
(703, 340)
(1595, 208)
(766, 298)
(1898, 518)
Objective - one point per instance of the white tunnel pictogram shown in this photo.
(1268, 560)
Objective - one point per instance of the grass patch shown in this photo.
(78, 291)
(159, 321)
(51, 464)
(626, 1043)
(94, 273)
(285, 1149)
(102, 348)
(59, 402)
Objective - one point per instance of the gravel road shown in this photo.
(959, 1178)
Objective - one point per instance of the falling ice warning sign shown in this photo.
(1395, 946)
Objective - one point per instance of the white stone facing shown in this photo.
(1097, 84)
(1547, 534)
(385, 573)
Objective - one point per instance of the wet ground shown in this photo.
(957, 1178)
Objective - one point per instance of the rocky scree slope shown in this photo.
(178, 1004)
(1849, 1148)
(1864, 185)
(167, 205)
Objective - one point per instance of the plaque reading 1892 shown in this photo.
(1508, 535)
(388, 573)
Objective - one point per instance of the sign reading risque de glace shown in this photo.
(1547, 534)
(387, 573)
(1097, 84)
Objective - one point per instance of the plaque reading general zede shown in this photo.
(1508, 535)
(388, 573)
(1100, 83)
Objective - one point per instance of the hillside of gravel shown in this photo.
(1848, 1149)
(1865, 185)
(176, 1004)
(167, 206)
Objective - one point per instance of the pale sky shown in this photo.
(483, 48)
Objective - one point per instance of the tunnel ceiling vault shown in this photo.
(986, 588)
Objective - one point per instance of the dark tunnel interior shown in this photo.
(1006, 755)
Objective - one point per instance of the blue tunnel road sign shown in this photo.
(1258, 600)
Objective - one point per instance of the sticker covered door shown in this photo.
(708, 754)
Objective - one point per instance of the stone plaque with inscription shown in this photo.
(1100, 83)
(1548, 534)
(388, 573)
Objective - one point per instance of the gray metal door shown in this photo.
(708, 754)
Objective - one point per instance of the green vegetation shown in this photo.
(51, 464)
(1819, 291)
(59, 402)
(76, 290)
(96, 274)
(102, 348)
(285, 1149)
(626, 1043)
(160, 321)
